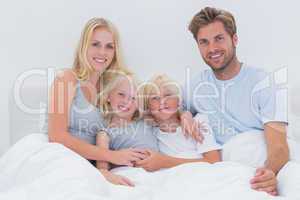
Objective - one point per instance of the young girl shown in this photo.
(162, 102)
(126, 129)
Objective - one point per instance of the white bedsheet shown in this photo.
(34, 169)
(250, 149)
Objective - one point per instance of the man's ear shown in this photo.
(235, 39)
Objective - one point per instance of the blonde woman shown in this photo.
(74, 116)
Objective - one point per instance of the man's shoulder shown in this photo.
(255, 72)
(202, 76)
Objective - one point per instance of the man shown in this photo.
(236, 98)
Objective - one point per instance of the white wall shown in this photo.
(41, 34)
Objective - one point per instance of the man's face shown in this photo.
(216, 46)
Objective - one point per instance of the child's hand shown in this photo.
(126, 156)
(116, 179)
(191, 127)
(152, 162)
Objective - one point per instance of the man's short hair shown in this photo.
(209, 15)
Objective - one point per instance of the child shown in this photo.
(162, 103)
(126, 130)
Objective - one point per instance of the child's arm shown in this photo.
(157, 161)
(212, 156)
(102, 140)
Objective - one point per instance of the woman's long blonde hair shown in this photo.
(104, 104)
(81, 65)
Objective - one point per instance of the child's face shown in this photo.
(163, 104)
(123, 100)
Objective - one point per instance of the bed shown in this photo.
(33, 168)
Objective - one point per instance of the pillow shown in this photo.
(249, 148)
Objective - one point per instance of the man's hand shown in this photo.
(264, 180)
(152, 163)
(191, 127)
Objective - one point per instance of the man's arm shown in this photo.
(277, 157)
(190, 126)
(277, 147)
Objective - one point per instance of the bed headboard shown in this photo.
(28, 104)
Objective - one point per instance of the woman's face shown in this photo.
(163, 104)
(123, 100)
(101, 49)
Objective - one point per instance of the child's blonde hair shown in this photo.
(104, 104)
(154, 85)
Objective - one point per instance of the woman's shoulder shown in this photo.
(65, 81)
(66, 75)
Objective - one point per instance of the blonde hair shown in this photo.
(104, 104)
(81, 66)
(160, 80)
(209, 15)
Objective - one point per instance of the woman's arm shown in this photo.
(157, 161)
(61, 96)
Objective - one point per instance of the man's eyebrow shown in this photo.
(221, 34)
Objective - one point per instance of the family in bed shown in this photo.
(101, 111)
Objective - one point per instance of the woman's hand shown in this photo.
(191, 127)
(153, 162)
(116, 179)
(126, 156)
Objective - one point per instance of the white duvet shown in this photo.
(34, 169)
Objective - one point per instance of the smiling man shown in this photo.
(237, 98)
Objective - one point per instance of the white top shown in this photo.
(177, 145)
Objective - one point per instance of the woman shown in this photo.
(74, 117)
